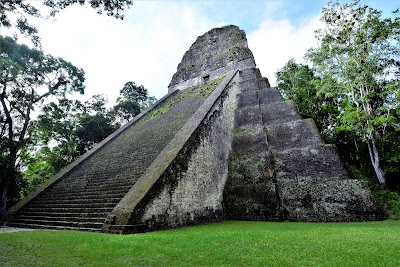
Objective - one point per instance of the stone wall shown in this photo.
(214, 74)
(185, 182)
(213, 55)
(195, 192)
(250, 192)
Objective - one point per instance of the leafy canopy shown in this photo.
(28, 77)
(360, 50)
(15, 13)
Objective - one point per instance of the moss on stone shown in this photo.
(200, 91)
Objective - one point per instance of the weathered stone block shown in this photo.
(258, 73)
(247, 74)
(251, 202)
(248, 116)
(248, 98)
(251, 168)
(250, 192)
(299, 133)
(249, 139)
(248, 85)
(269, 95)
(331, 201)
(263, 83)
(309, 164)
(217, 49)
(279, 112)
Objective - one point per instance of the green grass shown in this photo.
(227, 243)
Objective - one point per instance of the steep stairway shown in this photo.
(251, 191)
(280, 169)
(82, 199)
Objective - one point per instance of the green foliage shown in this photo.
(387, 197)
(112, 8)
(28, 77)
(220, 244)
(299, 83)
(127, 110)
(133, 93)
(66, 130)
(92, 129)
(131, 101)
(38, 172)
(359, 50)
(151, 100)
(203, 90)
(15, 13)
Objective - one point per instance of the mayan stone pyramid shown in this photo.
(222, 144)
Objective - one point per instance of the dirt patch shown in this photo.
(4, 230)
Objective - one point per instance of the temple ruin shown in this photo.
(221, 145)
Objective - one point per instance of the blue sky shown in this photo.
(148, 44)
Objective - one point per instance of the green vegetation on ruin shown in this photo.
(200, 91)
(227, 243)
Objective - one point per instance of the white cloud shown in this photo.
(148, 44)
(145, 47)
(277, 41)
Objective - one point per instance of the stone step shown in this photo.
(248, 116)
(248, 74)
(94, 187)
(60, 223)
(100, 175)
(78, 192)
(49, 217)
(246, 99)
(248, 85)
(77, 200)
(94, 183)
(65, 214)
(269, 95)
(67, 210)
(111, 181)
(122, 174)
(330, 201)
(300, 133)
(309, 164)
(279, 112)
(82, 195)
(263, 83)
(53, 227)
(105, 187)
(249, 139)
(35, 204)
(250, 192)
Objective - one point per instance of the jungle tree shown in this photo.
(360, 50)
(27, 78)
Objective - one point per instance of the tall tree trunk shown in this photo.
(373, 153)
(8, 180)
(4, 197)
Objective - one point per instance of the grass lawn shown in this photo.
(227, 243)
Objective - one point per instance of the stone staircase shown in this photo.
(75, 203)
(82, 199)
(280, 169)
(251, 191)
